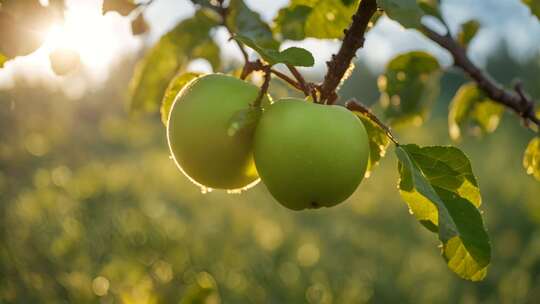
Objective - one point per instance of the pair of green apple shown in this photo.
(308, 155)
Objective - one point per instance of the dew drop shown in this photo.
(205, 190)
(235, 191)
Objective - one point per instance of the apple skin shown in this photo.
(197, 132)
(310, 155)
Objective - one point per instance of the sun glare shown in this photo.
(94, 36)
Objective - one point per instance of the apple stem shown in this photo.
(264, 87)
(356, 106)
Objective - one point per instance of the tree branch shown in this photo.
(356, 106)
(353, 40)
(287, 79)
(517, 100)
(258, 65)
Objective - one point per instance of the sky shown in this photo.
(102, 40)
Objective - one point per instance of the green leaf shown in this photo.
(329, 18)
(409, 86)
(430, 7)
(175, 86)
(378, 141)
(3, 59)
(294, 55)
(244, 119)
(441, 191)
(531, 159)
(291, 22)
(472, 109)
(323, 19)
(467, 32)
(188, 40)
(245, 22)
(407, 12)
(534, 5)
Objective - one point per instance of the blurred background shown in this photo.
(93, 210)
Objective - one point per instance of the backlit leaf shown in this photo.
(323, 19)
(430, 7)
(190, 39)
(409, 87)
(407, 12)
(244, 21)
(378, 141)
(471, 109)
(329, 18)
(531, 159)
(3, 60)
(441, 191)
(291, 22)
(468, 32)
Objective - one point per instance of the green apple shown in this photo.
(310, 155)
(198, 132)
(64, 61)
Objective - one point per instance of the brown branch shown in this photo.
(287, 79)
(257, 65)
(353, 40)
(300, 79)
(357, 106)
(516, 100)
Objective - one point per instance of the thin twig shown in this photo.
(258, 65)
(300, 79)
(223, 12)
(264, 86)
(287, 79)
(353, 40)
(517, 100)
(355, 105)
